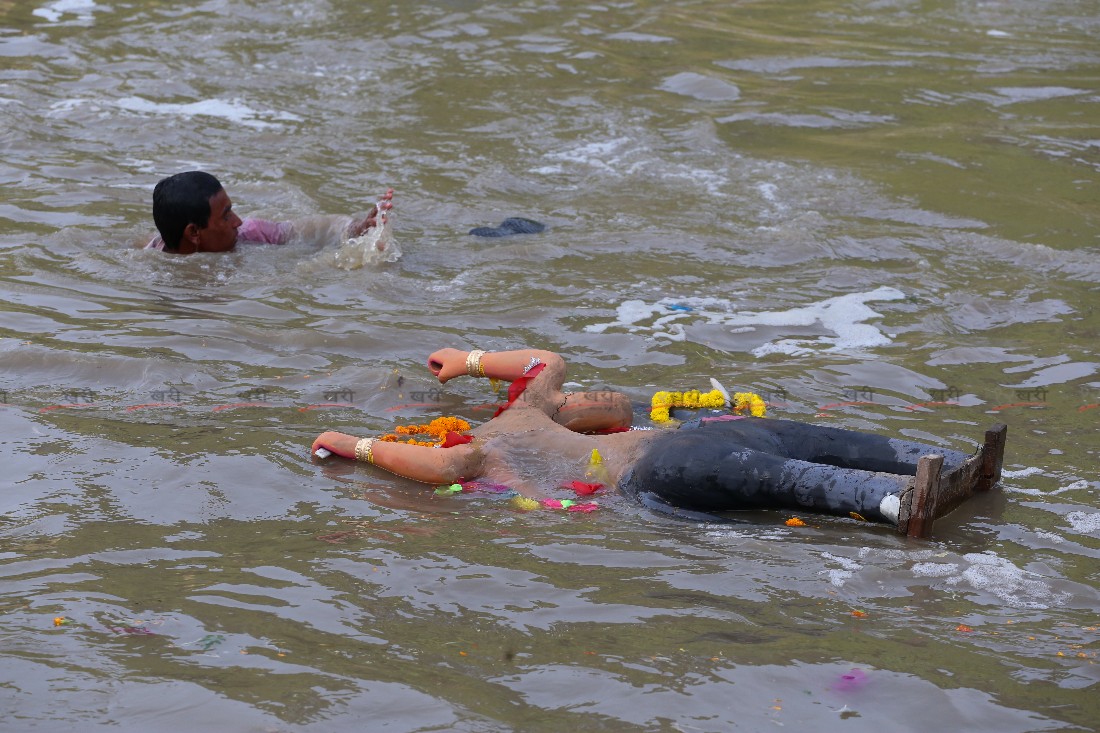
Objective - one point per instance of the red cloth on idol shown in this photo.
(516, 389)
(452, 439)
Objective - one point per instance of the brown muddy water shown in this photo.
(879, 214)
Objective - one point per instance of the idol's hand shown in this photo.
(339, 444)
(446, 364)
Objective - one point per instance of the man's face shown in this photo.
(220, 232)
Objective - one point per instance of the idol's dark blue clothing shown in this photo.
(730, 463)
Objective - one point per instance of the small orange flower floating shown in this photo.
(795, 522)
(437, 429)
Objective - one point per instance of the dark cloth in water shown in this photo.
(721, 464)
(510, 226)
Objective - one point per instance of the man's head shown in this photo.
(193, 213)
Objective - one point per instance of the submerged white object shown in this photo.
(322, 453)
(890, 506)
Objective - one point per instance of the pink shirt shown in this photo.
(257, 231)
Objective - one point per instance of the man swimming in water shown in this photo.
(708, 465)
(193, 213)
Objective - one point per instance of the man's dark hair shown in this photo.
(180, 200)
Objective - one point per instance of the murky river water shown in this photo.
(862, 210)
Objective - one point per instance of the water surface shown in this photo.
(880, 215)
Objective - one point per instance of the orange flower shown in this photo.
(859, 614)
(964, 628)
(437, 429)
(795, 522)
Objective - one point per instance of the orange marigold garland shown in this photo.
(437, 429)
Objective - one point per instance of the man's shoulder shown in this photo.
(264, 231)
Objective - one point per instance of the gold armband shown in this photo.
(364, 450)
(473, 363)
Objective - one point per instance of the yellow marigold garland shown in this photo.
(437, 429)
(664, 401)
(750, 401)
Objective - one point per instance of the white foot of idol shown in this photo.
(890, 506)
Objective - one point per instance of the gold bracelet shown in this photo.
(473, 363)
(364, 450)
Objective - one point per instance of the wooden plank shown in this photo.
(993, 455)
(923, 505)
(935, 494)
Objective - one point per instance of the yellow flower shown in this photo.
(712, 400)
(749, 401)
(693, 399)
(660, 405)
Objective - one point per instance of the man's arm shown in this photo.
(333, 230)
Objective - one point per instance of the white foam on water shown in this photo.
(53, 12)
(934, 569)
(232, 111)
(881, 553)
(838, 576)
(362, 251)
(844, 315)
(631, 312)
(1078, 485)
(1000, 578)
(1025, 492)
(1084, 522)
(450, 286)
(604, 154)
(1022, 473)
(844, 562)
